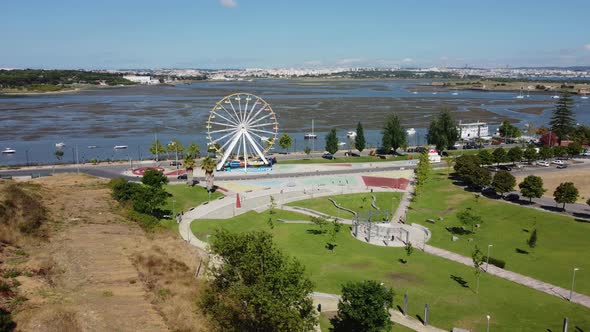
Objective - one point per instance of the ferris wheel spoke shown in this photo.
(255, 146)
(258, 112)
(233, 116)
(263, 131)
(256, 143)
(260, 119)
(262, 125)
(252, 109)
(232, 144)
(226, 119)
(222, 137)
(222, 130)
(239, 113)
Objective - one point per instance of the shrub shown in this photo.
(146, 221)
(6, 322)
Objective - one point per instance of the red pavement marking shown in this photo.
(374, 181)
(141, 170)
(222, 189)
(176, 173)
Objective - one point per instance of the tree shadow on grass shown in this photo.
(315, 231)
(460, 281)
(401, 260)
(521, 251)
(578, 329)
(458, 230)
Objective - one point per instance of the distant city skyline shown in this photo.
(212, 34)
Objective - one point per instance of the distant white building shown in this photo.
(472, 130)
(141, 79)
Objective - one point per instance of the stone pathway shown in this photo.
(513, 276)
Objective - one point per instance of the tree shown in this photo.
(58, 154)
(257, 287)
(532, 187)
(566, 192)
(175, 146)
(189, 165)
(193, 150)
(123, 190)
(147, 199)
(478, 258)
(394, 135)
(503, 182)
(154, 178)
(307, 150)
(285, 141)
(530, 153)
(333, 232)
(481, 177)
(499, 155)
(485, 157)
(443, 131)
(321, 223)
(559, 151)
(581, 134)
(507, 130)
(549, 139)
(364, 306)
(545, 152)
(359, 139)
(514, 154)
(332, 141)
(449, 162)
(532, 241)
(574, 148)
(468, 217)
(208, 165)
(469, 170)
(157, 149)
(588, 201)
(563, 121)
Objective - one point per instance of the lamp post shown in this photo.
(573, 280)
(173, 207)
(488, 257)
(488, 328)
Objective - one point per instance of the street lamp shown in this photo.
(488, 257)
(488, 317)
(573, 280)
(173, 207)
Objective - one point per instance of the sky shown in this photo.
(133, 34)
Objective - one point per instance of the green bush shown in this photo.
(123, 190)
(146, 221)
(497, 262)
(6, 322)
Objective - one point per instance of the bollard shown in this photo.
(406, 304)
(565, 320)
(426, 314)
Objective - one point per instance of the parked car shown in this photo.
(351, 154)
(505, 168)
(182, 176)
(512, 197)
(493, 168)
(542, 163)
(328, 156)
(562, 166)
(557, 162)
(175, 163)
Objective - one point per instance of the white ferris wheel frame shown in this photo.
(239, 127)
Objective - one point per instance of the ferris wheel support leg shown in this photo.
(260, 154)
(228, 151)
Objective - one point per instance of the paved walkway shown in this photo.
(512, 276)
(400, 212)
(329, 302)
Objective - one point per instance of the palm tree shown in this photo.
(208, 165)
(189, 165)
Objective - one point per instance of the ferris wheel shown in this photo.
(242, 126)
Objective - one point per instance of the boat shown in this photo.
(351, 134)
(434, 93)
(584, 96)
(8, 151)
(520, 96)
(120, 147)
(60, 145)
(92, 146)
(310, 135)
(455, 93)
(415, 92)
(555, 97)
(341, 143)
(411, 131)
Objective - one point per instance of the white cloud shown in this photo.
(408, 60)
(228, 3)
(349, 61)
(587, 47)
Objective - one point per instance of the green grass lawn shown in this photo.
(385, 201)
(325, 325)
(562, 244)
(446, 286)
(184, 197)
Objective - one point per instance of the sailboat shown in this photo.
(584, 95)
(310, 135)
(520, 96)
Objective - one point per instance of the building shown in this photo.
(141, 79)
(473, 130)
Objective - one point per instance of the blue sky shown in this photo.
(292, 33)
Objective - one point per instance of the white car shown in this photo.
(542, 163)
(558, 162)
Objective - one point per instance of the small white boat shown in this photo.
(8, 151)
(584, 97)
(415, 92)
(60, 145)
(92, 146)
(455, 93)
(351, 134)
(341, 143)
(555, 97)
(520, 96)
(434, 93)
(310, 136)
(120, 147)
(411, 131)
